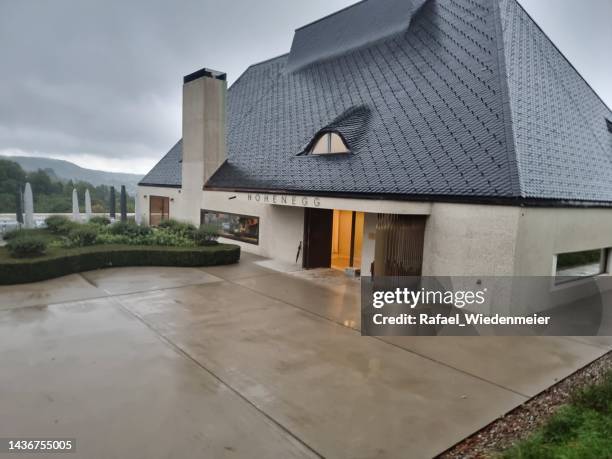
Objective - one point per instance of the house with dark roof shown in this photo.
(400, 137)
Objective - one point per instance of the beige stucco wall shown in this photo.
(367, 248)
(460, 239)
(470, 240)
(545, 232)
(203, 139)
(175, 195)
(281, 228)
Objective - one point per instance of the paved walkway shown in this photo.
(243, 361)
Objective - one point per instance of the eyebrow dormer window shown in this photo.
(329, 143)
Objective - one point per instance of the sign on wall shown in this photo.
(286, 200)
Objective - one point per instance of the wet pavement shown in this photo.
(243, 361)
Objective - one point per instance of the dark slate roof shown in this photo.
(563, 147)
(358, 25)
(469, 101)
(167, 172)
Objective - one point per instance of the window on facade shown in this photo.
(243, 228)
(159, 209)
(574, 265)
(327, 143)
(609, 124)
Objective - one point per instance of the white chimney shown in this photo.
(204, 94)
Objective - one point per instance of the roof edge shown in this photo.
(158, 185)
(562, 55)
(515, 201)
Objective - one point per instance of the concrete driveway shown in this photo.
(243, 361)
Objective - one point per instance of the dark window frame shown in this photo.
(230, 236)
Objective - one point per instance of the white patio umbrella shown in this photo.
(87, 205)
(28, 203)
(76, 214)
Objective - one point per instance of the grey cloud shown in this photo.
(85, 77)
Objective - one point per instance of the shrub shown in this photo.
(27, 246)
(12, 234)
(58, 224)
(100, 220)
(108, 238)
(168, 238)
(129, 228)
(82, 235)
(181, 228)
(96, 257)
(206, 235)
(155, 237)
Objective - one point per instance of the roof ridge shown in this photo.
(513, 160)
(327, 16)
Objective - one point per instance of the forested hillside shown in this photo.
(50, 193)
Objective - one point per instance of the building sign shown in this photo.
(285, 200)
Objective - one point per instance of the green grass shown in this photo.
(580, 430)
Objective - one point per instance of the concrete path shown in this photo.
(243, 361)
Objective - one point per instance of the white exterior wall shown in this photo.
(470, 240)
(369, 240)
(460, 239)
(544, 233)
(281, 228)
(175, 195)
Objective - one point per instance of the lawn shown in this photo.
(579, 430)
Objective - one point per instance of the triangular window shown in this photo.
(329, 143)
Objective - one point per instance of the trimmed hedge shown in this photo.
(70, 261)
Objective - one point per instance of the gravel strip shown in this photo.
(523, 420)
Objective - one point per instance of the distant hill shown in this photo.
(65, 170)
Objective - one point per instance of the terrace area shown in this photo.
(246, 361)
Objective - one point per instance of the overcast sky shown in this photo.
(99, 82)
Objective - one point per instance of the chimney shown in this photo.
(204, 94)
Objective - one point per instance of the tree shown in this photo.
(51, 195)
(112, 202)
(19, 205)
(123, 203)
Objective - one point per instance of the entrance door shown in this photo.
(399, 245)
(159, 209)
(317, 238)
(347, 238)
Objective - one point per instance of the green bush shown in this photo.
(68, 261)
(58, 224)
(20, 232)
(82, 235)
(129, 228)
(108, 238)
(157, 236)
(27, 246)
(100, 220)
(167, 238)
(206, 235)
(177, 227)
